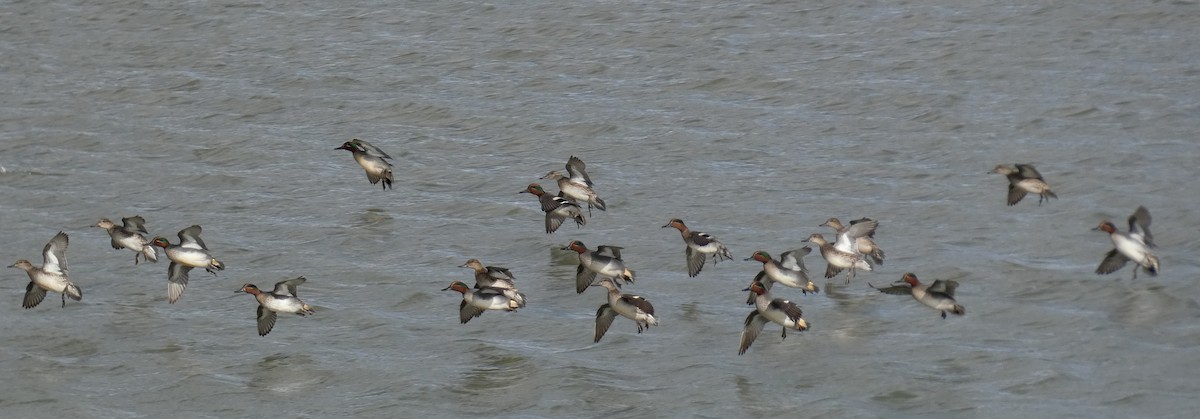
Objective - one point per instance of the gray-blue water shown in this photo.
(753, 121)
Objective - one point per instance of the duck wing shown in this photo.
(753, 326)
(370, 149)
(134, 224)
(1015, 194)
(695, 260)
(794, 259)
(288, 286)
(1139, 223)
(266, 320)
(604, 318)
(1113, 261)
(177, 280)
(639, 302)
(583, 279)
(33, 295)
(578, 172)
(610, 251)
(943, 287)
(54, 255)
(1026, 171)
(902, 289)
(190, 238)
(863, 220)
(789, 308)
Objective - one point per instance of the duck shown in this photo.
(767, 309)
(605, 261)
(837, 259)
(865, 241)
(576, 185)
(699, 246)
(191, 252)
(475, 302)
(51, 276)
(939, 295)
(789, 271)
(1133, 245)
(129, 236)
(630, 306)
(372, 159)
(282, 299)
(495, 277)
(557, 208)
(1023, 179)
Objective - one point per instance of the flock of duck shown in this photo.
(853, 249)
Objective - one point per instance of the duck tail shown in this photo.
(877, 256)
(801, 325)
(813, 288)
(387, 179)
(74, 292)
(217, 264)
(149, 252)
(599, 204)
(1050, 194)
(628, 275)
(579, 220)
(959, 309)
(864, 265)
(1153, 268)
(723, 253)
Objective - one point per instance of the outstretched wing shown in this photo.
(1015, 194)
(266, 320)
(695, 260)
(577, 170)
(902, 289)
(177, 281)
(753, 327)
(865, 219)
(794, 259)
(370, 149)
(190, 238)
(612, 251)
(789, 308)
(134, 224)
(943, 286)
(1139, 223)
(1026, 171)
(288, 285)
(54, 255)
(639, 302)
(583, 279)
(1113, 261)
(466, 312)
(604, 319)
(33, 295)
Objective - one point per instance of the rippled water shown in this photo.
(752, 121)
